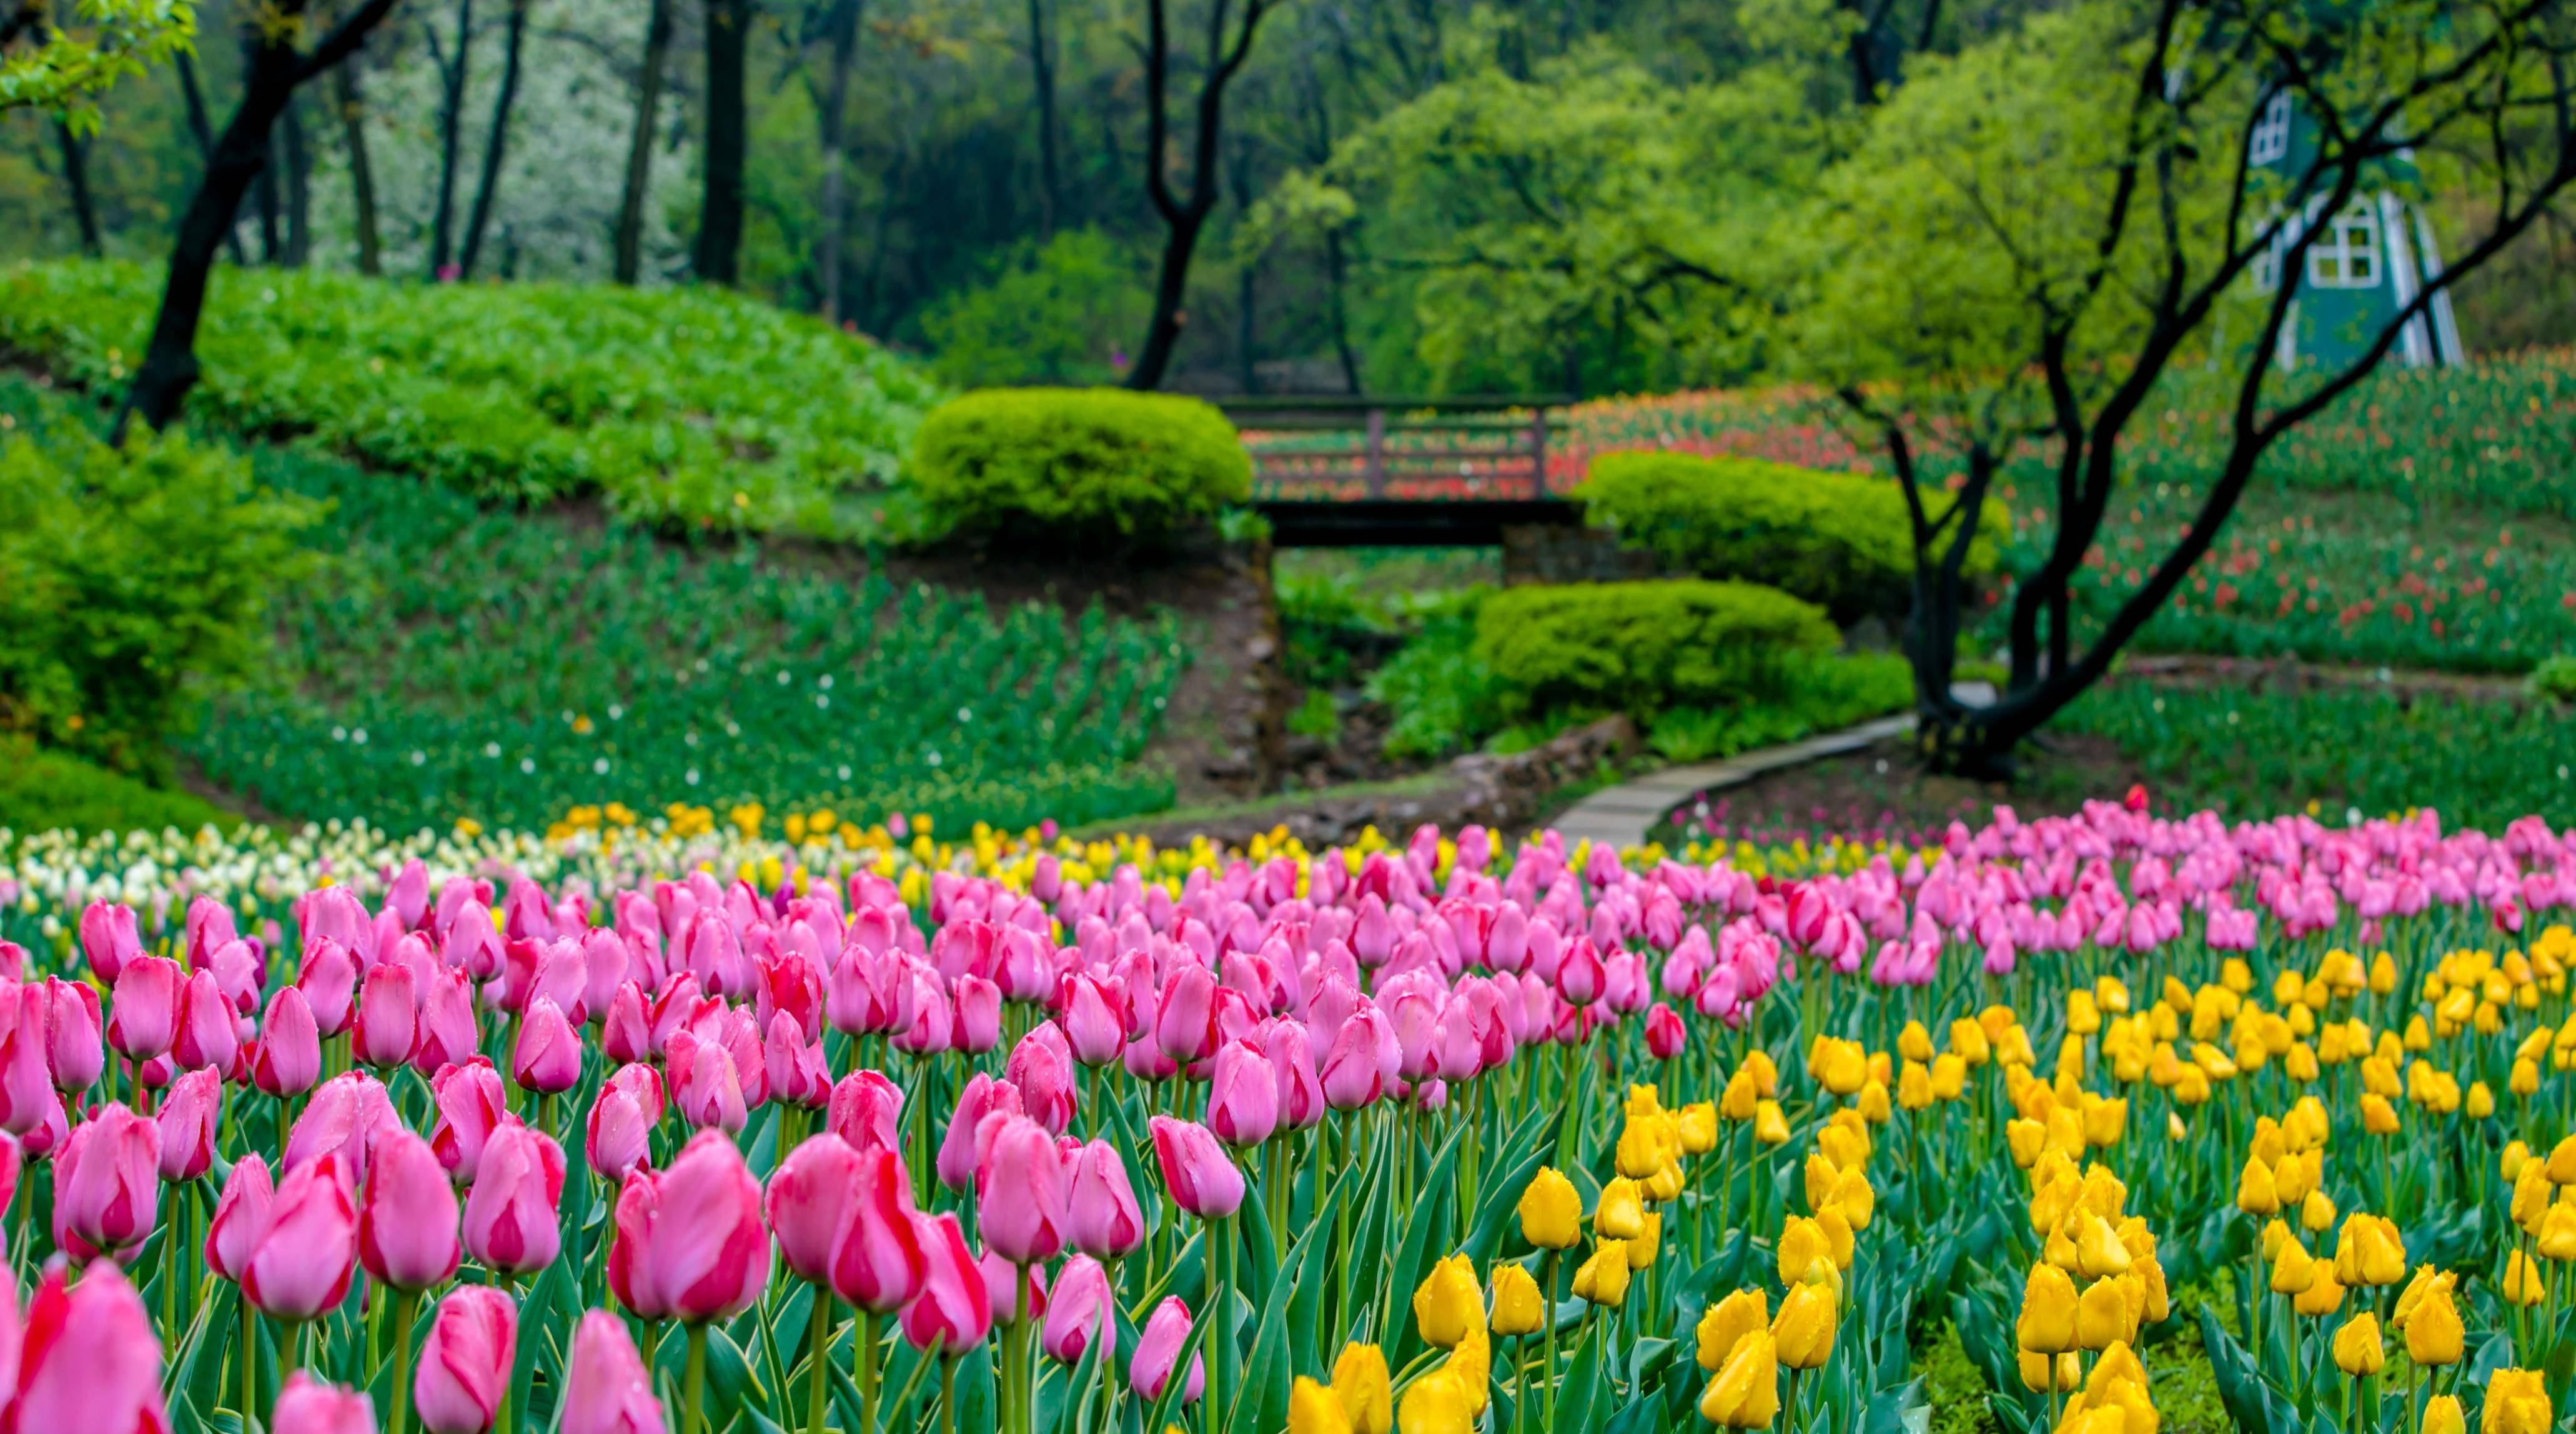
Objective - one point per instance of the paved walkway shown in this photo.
(1622, 814)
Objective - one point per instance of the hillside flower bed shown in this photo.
(2073, 1119)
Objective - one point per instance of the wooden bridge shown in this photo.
(1338, 472)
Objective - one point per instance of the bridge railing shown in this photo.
(1476, 447)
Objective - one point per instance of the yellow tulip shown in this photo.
(2442, 1415)
(1551, 1212)
(2323, 1296)
(1519, 1308)
(1802, 1244)
(1968, 1042)
(1313, 1409)
(1621, 1215)
(1804, 1327)
(2357, 1350)
(1949, 1077)
(1740, 1097)
(1665, 1185)
(1769, 1125)
(2523, 1284)
(2562, 1162)
(2098, 1252)
(1820, 1174)
(2516, 1155)
(1766, 1076)
(1647, 1242)
(1360, 1381)
(1603, 1278)
(2370, 1252)
(2102, 1315)
(1914, 1086)
(2481, 1101)
(2293, 1269)
(1727, 1322)
(2557, 1240)
(1639, 1151)
(1473, 1363)
(2047, 1320)
(2433, 1331)
(1914, 1042)
(1447, 1302)
(1838, 1236)
(2317, 1212)
(1699, 1128)
(2517, 1403)
(2037, 1371)
(2378, 1117)
(1746, 1392)
(1437, 1403)
(2256, 1195)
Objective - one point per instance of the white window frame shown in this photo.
(2271, 137)
(2348, 253)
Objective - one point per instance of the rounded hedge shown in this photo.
(1057, 462)
(1644, 647)
(1839, 539)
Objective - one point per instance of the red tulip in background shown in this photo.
(465, 1365)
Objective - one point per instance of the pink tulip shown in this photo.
(513, 1211)
(1243, 1095)
(109, 939)
(808, 1201)
(144, 1017)
(867, 1110)
(1159, 1347)
(86, 1359)
(329, 982)
(1044, 1075)
(107, 1180)
(207, 1038)
(1021, 1183)
(241, 1217)
(625, 1033)
(706, 1084)
(447, 1033)
(979, 1015)
(1089, 1017)
(346, 1114)
(310, 1406)
(308, 1246)
(12, 1167)
(952, 1309)
(288, 1059)
(1185, 1017)
(189, 1119)
(388, 1021)
(1301, 1090)
(547, 1059)
(471, 1104)
(1078, 1316)
(620, 1129)
(607, 1391)
(1005, 1282)
(74, 1055)
(1582, 980)
(878, 1263)
(957, 1154)
(1352, 1076)
(407, 1220)
(27, 1095)
(1664, 1034)
(798, 1073)
(465, 1364)
(1101, 1213)
(1196, 1169)
(691, 1245)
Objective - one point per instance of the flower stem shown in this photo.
(406, 1307)
(817, 1378)
(693, 1396)
(866, 1342)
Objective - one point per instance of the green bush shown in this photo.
(1067, 463)
(1444, 697)
(688, 406)
(1643, 647)
(1840, 540)
(43, 790)
(1815, 695)
(2555, 677)
(129, 580)
(1056, 313)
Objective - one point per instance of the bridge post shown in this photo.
(1377, 452)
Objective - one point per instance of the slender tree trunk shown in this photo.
(639, 146)
(451, 123)
(495, 144)
(1183, 220)
(204, 133)
(362, 172)
(169, 366)
(832, 122)
(299, 188)
(1336, 271)
(272, 245)
(719, 253)
(75, 151)
(1042, 70)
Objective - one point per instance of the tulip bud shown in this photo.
(299, 1266)
(1021, 1185)
(241, 1216)
(1159, 1347)
(144, 1016)
(952, 1308)
(309, 1406)
(1366, 1390)
(1201, 1177)
(88, 1360)
(1448, 1302)
(512, 1212)
(807, 1202)
(606, 1391)
(1603, 1278)
(1101, 1214)
(465, 1364)
(547, 1057)
(471, 1105)
(1551, 1213)
(1080, 1313)
(710, 1263)
(1313, 1409)
(1803, 1331)
(1746, 1392)
(879, 1261)
(107, 1181)
(407, 1219)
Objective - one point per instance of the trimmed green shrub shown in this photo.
(1818, 694)
(42, 790)
(1643, 647)
(1063, 463)
(129, 580)
(1841, 540)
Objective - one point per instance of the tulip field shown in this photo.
(699, 1130)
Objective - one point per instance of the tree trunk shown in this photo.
(496, 143)
(75, 152)
(272, 245)
(299, 189)
(451, 124)
(362, 173)
(719, 255)
(204, 133)
(1042, 71)
(169, 366)
(1335, 271)
(639, 147)
(831, 122)
(1183, 219)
